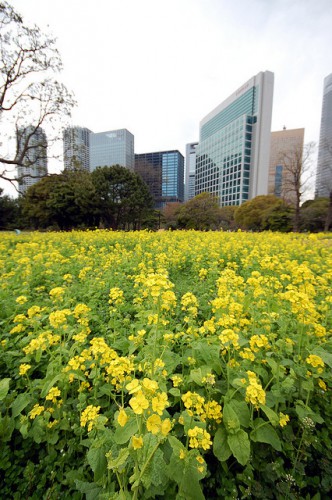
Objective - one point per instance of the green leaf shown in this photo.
(91, 490)
(242, 411)
(240, 445)
(4, 388)
(199, 373)
(97, 461)
(326, 356)
(6, 427)
(118, 463)
(304, 411)
(175, 392)
(49, 384)
(123, 434)
(154, 473)
(20, 403)
(221, 448)
(230, 419)
(271, 415)
(209, 354)
(264, 433)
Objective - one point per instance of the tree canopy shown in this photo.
(110, 197)
(264, 212)
(124, 198)
(201, 212)
(62, 201)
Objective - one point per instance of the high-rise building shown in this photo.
(76, 148)
(286, 147)
(190, 169)
(163, 172)
(115, 147)
(232, 157)
(32, 143)
(324, 166)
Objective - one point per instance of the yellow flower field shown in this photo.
(183, 365)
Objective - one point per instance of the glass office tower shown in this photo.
(33, 141)
(115, 147)
(76, 148)
(324, 166)
(232, 157)
(163, 172)
(189, 191)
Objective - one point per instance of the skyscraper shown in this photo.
(324, 166)
(285, 146)
(190, 170)
(232, 159)
(32, 143)
(115, 147)
(76, 148)
(163, 172)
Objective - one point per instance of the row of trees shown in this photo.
(110, 197)
(259, 214)
(114, 197)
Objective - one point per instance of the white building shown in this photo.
(232, 157)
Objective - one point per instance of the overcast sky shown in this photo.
(158, 67)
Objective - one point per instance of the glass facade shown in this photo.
(34, 141)
(223, 161)
(324, 166)
(163, 173)
(190, 168)
(112, 148)
(278, 181)
(76, 148)
(232, 157)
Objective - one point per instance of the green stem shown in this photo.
(143, 470)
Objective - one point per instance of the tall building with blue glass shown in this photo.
(232, 157)
(163, 172)
(115, 147)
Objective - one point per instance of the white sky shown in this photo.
(157, 67)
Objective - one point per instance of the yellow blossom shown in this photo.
(283, 419)
(133, 386)
(122, 417)
(137, 442)
(53, 394)
(139, 403)
(89, 416)
(159, 403)
(24, 368)
(36, 410)
(199, 438)
(153, 424)
(322, 384)
(21, 299)
(315, 361)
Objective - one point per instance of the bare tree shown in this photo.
(297, 174)
(30, 96)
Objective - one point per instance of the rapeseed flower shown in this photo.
(139, 403)
(199, 438)
(24, 368)
(89, 416)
